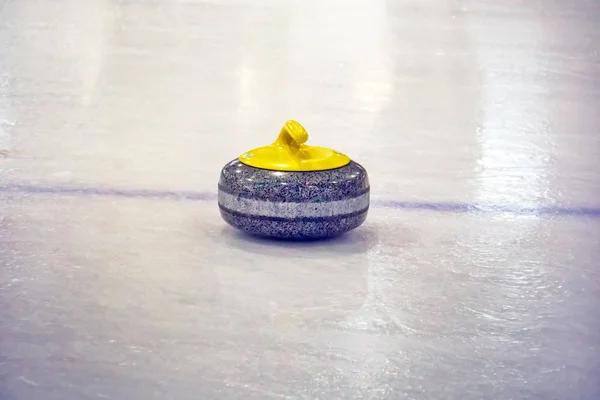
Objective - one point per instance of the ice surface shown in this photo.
(476, 275)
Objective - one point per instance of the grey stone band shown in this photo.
(291, 210)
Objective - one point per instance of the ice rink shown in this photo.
(476, 275)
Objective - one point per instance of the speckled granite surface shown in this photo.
(294, 205)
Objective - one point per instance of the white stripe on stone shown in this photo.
(293, 210)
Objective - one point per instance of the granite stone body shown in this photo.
(294, 205)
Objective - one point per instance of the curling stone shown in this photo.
(289, 190)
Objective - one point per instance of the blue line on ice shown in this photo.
(448, 207)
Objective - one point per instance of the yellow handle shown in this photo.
(290, 153)
(292, 134)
